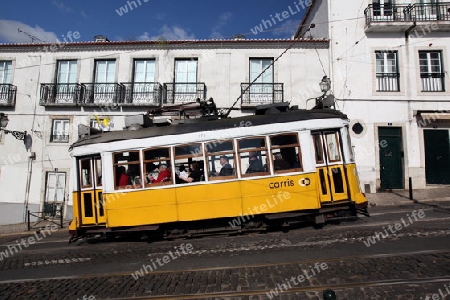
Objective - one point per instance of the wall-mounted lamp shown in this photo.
(20, 135)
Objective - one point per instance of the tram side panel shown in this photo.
(208, 201)
(279, 194)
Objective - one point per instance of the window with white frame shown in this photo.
(431, 71)
(105, 71)
(60, 131)
(387, 75)
(5, 71)
(103, 124)
(382, 9)
(55, 187)
(66, 79)
(143, 80)
(262, 89)
(185, 79)
(67, 71)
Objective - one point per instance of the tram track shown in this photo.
(336, 287)
(247, 266)
(352, 272)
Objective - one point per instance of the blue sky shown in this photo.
(49, 20)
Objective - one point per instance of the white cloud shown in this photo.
(169, 33)
(223, 20)
(160, 16)
(61, 6)
(287, 28)
(9, 32)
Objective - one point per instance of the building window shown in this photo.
(262, 89)
(67, 71)
(382, 9)
(143, 80)
(66, 81)
(5, 71)
(103, 124)
(54, 192)
(105, 71)
(60, 131)
(387, 71)
(185, 80)
(431, 71)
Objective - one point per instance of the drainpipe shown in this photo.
(408, 78)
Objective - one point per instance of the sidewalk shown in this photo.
(22, 228)
(439, 196)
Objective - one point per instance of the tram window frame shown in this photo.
(82, 175)
(318, 148)
(261, 152)
(213, 152)
(132, 183)
(338, 146)
(186, 160)
(98, 171)
(161, 160)
(279, 149)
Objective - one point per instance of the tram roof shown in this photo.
(210, 125)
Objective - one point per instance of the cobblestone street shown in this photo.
(410, 264)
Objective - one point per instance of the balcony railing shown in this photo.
(8, 95)
(431, 12)
(99, 93)
(387, 12)
(377, 13)
(66, 94)
(432, 82)
(388, 82)
(141, 93)
(60, 138)
(261, 93)
(177, 93)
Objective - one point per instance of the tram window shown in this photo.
(285, 149)
(127, 170)
(332, 143)
(86, 173)
(350, 148)
(221, 160)
(189, 163)
(157, 166)
(98, 171)
(318, 150)
(253, 156)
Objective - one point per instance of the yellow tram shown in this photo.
(289, 166)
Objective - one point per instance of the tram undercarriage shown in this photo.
(331, 214)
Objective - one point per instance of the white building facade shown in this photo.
(389, 72)
(48, 91)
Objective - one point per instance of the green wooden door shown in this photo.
(391, 157)
(437, 156)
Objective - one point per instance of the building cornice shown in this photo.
(173, 44)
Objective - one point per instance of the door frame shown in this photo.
(326, 168)
(379, 146)
(94, 190)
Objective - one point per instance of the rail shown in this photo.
(52, 213)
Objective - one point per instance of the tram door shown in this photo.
(92, 210)
(329, 166)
